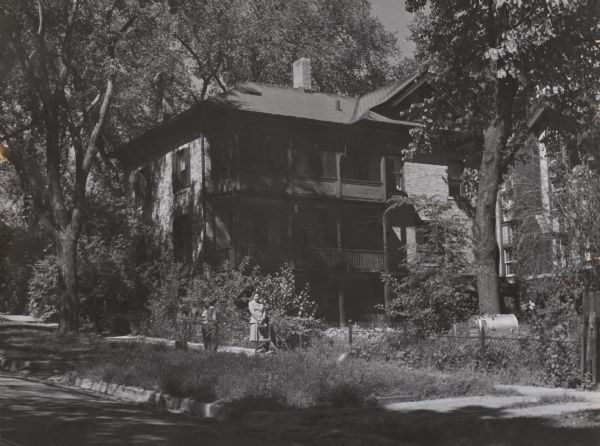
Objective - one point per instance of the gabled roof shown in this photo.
(273, 100)
(286, 101)
(369, 101)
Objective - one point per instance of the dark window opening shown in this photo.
(362, 231)
(395, 174)
(183, 239)
(263, 154)
(254, 229)
(314, 161)
(315, 228)
(454, 188)
(362, 166)
(181, 169)
(141, 187)
(455, 172)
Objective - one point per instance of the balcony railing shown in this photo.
(359, 260)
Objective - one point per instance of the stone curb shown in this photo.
(219, 410)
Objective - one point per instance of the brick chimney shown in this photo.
(302, 74)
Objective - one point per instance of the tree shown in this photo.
(491, 62)
(64, 63)
(233, 41)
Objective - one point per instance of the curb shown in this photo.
(219, 410)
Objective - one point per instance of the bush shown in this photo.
(434, 293)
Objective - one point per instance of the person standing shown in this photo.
(210, 327)
(257, 321)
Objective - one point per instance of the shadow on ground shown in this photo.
(465, 427)
(36, 414)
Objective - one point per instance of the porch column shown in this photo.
(338, 220)
(384, 182)
(338, 174)
(341, 302)
(386, 259)
(290, 245)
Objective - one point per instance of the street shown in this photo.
(34, 414)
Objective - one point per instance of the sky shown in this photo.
(395, 19)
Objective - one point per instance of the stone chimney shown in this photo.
(302, 74)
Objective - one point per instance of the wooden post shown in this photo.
(350, 332)
(338, 174)
(342, 310)
(593, 343)
(482, 340)
(386, 260)
(584, 333)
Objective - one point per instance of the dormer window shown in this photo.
(181, 169)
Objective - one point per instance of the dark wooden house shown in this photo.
(290, 175)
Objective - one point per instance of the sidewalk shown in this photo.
(190, 345)
(22, 321)
(530, 401)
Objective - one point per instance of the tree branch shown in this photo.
(191, 51)
(40, 18)
(92, 145)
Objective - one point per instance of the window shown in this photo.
(182, 238)
(263, 154)
(254, 229)
(315, 227)
(141, 186)
(507, 241)
(398, 173)
(362, 166)
(455, 170)
(311, 161)
(508, 262)
(181, 169)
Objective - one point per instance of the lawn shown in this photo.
(289, 379)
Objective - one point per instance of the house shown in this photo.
(524, 204)
(291, 175)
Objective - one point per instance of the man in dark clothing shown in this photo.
(210, 327)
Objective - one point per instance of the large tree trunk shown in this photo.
(486, 247)
(66, 254)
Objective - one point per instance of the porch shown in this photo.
(304, 258)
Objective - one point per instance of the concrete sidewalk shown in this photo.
(23, 321)
(171, 343)
(529, 401)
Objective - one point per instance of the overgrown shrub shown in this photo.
(434, 292)
(177, 295)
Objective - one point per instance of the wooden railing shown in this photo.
(304, 258)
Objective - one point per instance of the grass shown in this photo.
(32, 344)
(292, 379)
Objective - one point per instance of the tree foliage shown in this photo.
(64, 63)
(491, 63)
(233, 41)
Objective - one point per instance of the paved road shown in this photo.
(35, 414)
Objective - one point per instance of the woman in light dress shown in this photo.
(258, 322)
